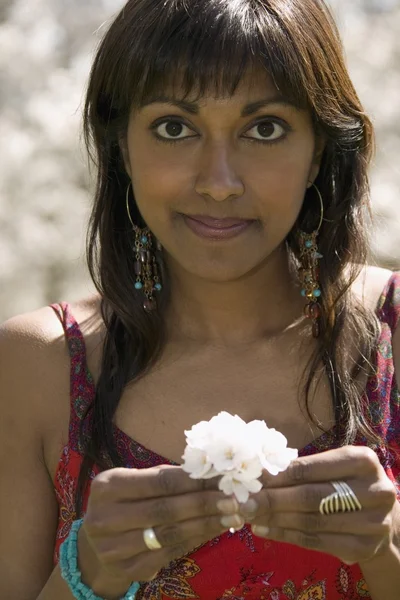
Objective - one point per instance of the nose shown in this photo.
(217, 177)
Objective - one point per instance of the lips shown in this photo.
(216, 229)
(223, 223)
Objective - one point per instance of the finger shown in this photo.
(360, 523)
(164, 510)
(349, 548)
(307, 498)
(121, 484)
(344, 463)
(129, 548)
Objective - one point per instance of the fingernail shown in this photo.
(249, 508)
(228, 506)
(260, 530)
(235, 521)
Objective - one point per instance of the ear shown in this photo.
(320, 145)
(123, 146)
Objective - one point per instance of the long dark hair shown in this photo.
(207, 44)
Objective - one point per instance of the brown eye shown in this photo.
(171, 130)
(268, 131)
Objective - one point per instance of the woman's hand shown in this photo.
(123, 502)
(288, 505)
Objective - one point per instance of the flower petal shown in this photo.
(196, 462)
(226, 485)
(250, 469)
(199, 435)
(240, 491)
(254, 486)
(276, 462)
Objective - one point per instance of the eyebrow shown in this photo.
(194, 109)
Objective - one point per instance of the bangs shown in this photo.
(206, 48)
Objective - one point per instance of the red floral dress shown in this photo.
(241, 566)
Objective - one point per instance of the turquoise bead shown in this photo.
(70, 570)
(303, 293)
(138, 285)
(144, 239)
(317, 293)
(309, 244)
(158, 287)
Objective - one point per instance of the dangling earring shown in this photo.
(146, 269)
(309, 271)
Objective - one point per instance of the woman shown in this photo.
(228, 243)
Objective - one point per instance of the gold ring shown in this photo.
(150, 539)
(342, 500)
(356, 504)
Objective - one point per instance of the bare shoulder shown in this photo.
(370, 284)
(31, 343)
(41, 328)
(33, 374)
(34, 360)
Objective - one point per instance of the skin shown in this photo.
(287, 509)
(234, 315)
(221, 169)
(240, 289)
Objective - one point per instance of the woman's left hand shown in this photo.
(288, 505)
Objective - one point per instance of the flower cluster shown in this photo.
(239, 451)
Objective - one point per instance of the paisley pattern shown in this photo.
(240, 566)
(172, 582)
(317, 592)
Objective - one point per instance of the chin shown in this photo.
(221, 271)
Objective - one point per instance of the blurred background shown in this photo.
(46, 49)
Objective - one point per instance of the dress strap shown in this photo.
(82, 389)
(389, 303)
(384, 396)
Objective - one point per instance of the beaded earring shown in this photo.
(146, 268)
(309, 272)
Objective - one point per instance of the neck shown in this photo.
(262, 305)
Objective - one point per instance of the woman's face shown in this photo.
(248, 157)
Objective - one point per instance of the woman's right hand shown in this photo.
(123, 502)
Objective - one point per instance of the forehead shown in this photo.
(251, 83)
(254, 92)
(255, 85)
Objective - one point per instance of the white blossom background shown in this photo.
(46, 49)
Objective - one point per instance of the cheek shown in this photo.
(158, 180)
(279, 183)
(155, 165)
(153, 170)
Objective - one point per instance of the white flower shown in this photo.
(205, 432)
(199, 436)
(197, 463)
(241, 489)
(224, 439)
(249, 468)
(272, 451)
(239, 451)
(229, 453)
